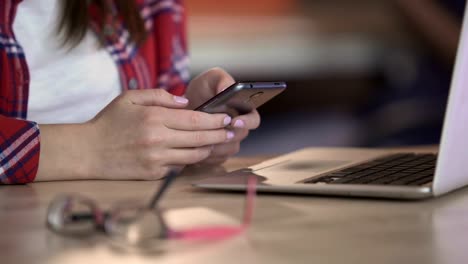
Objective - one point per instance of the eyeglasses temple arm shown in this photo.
(170, 177)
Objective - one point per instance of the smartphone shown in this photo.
(242, 97)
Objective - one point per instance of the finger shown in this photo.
(225, 150)
(194, 120)
(239, 134)
(190, 139)
(185, 156)
(155, 97)
(220, 79)
(215, 77)
(206, 85)
(247, 121)
(214, 160)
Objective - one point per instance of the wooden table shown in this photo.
(286, 228)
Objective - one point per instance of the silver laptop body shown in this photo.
(288, 173)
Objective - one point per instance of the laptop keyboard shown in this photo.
(397, 169)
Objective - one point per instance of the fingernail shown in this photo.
(227, 120)
(230, 135)
(180, 99)
(239, 123)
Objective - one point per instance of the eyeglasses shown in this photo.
(135, 223)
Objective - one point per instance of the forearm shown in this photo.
(63, 153)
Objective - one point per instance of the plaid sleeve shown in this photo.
(19, 150)
(179, 66)
(166, 47)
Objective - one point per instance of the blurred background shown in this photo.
(365, 73)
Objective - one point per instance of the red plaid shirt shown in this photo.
(160, 62)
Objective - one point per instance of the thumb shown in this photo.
(220, 79)
(155, 97)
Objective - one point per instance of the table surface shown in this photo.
(285, 228)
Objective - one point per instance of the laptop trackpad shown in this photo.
(297, 166)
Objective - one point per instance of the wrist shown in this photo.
(65, 152)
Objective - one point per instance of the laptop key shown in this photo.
(407, 180)
(324, 179)
(387, 179)
(397, 169)
(422, 181)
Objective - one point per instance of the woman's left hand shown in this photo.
(207, 85)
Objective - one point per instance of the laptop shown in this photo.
(372, 172)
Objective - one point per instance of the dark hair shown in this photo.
(74, 19)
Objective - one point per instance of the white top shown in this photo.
(67, 86)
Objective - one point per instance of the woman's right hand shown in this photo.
(141, 134)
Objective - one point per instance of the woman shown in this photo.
(96, 90)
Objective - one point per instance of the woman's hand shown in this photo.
(140, 135)
(207, 85)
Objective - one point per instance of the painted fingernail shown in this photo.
(180, 99)
(227, 120)
(229, 135)
(239, 123)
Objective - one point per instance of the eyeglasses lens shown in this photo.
(72, 215)
(135, 224)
